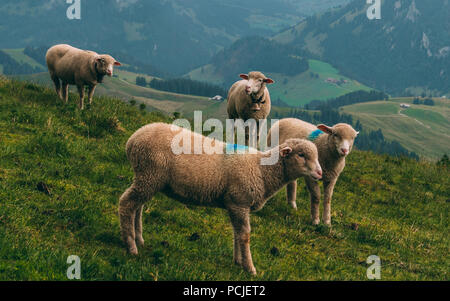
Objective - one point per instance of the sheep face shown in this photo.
(342, 137)
(255, 82)
(301, 159)
(105, 64)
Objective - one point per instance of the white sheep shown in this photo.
(236, 182)
(333, 144)
(72, 66)
(249, 98)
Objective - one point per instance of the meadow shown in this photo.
(296, 90)
(62, 172)
(420, 128)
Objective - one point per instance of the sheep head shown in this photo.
(256, 81)
(105, 64)
(301, 159)
(342, 136)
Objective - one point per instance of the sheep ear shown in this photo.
(357, 133)
(269, 81)
(285, 151)
(325, 129)
(243, 76)
(116, 63)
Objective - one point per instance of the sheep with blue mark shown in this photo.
(239, 183)
(333, 144)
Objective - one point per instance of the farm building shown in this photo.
(217, 98)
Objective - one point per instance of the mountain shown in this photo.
(173, 35)
(62, 172)
(406, 52)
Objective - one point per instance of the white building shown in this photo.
(217, 98)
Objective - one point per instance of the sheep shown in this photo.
(68, 65)
(235, 182)
(249, 98)
(333, 144)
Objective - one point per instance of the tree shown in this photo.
(141, 81)
(428, 102)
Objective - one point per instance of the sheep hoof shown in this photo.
(252, 271)
(140, 242)
(294, 206)
(315, 222)
(133, 251)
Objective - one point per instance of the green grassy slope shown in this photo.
(296, 90)
(422, 129)
(22, 58)
(124, 88)
(401, 207)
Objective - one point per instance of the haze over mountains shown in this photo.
(407, 52)
(174, 35)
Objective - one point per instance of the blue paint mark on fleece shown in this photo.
(231, 148)
(314, 135)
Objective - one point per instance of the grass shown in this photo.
(422, 129)
(400, 205)
(124, 88)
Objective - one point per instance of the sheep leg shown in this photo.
(314, 191)
(138, 226)
(237, 256)
(91, 93)
(240, 219)
(130, 202)
(292, 194)
(57, 83)
(82, 93)
(328, 187)
(65, 92)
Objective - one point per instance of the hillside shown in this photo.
(123, 87)
(298, 80)
(407, 51)
(62, 172)
(153, 31)
(420, 128)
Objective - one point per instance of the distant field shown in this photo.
(422, 129)
(303, 88)
(297, 90)
(20, 57)
(131, 76)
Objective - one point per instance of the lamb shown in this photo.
(333, 144)
(236, 182)
(249, 98)
(72, 66)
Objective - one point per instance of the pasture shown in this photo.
(62, 171)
